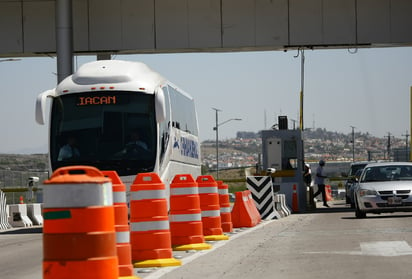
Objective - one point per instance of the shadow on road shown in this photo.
(30, 230)
(380, 216)
(335, 207)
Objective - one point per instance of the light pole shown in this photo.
(406, 146)
(353, 143)
(216, 128)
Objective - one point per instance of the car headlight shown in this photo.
(367, 192)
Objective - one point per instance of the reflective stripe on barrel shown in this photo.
(225, 209)
(119, 197)
(210, 213)
(150, 226)
(185, 217)
(148, 195)
(78, 195)
(184, 191)
(207, 190)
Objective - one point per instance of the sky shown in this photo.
(368, 89)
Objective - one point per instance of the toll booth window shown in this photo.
(290, 155)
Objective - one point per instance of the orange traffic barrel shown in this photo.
(122, 228)
(186, 225)
(79, 239)
(209, 205)
(150, 230)
(328, 191)
(224, 202)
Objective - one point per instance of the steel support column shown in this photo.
(64, 39)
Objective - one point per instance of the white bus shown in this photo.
(98, 113)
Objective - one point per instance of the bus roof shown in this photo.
(112, 75)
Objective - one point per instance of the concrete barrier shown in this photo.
(243, 215)
(280, 205)
(18, 216)
(261, 188)
(34, 213)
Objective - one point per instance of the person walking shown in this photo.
(320, 181)
(307, 174)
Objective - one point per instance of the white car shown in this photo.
(384, 187)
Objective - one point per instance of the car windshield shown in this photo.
(387, 173)
(354, 169)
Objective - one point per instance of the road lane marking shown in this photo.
(386, 248)
(376, 248)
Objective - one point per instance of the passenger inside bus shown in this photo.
(69, 151)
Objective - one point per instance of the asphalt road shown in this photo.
(327, 243)
(21, 253)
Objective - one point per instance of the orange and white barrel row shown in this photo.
(80, 201)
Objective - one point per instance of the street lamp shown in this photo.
(353, 143)
(216, 128)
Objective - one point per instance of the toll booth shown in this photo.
(283, 151)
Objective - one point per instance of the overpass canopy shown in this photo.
(28, 27)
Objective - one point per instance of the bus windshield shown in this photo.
(111, 130)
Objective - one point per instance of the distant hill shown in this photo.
(23, 162)
(16, 168)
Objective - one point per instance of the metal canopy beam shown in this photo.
(27, 28)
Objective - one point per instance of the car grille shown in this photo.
(379, 204)
(404, 194)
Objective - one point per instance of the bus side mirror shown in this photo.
(160, 105)
(41, 105)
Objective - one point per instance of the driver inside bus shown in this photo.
(134, 145)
